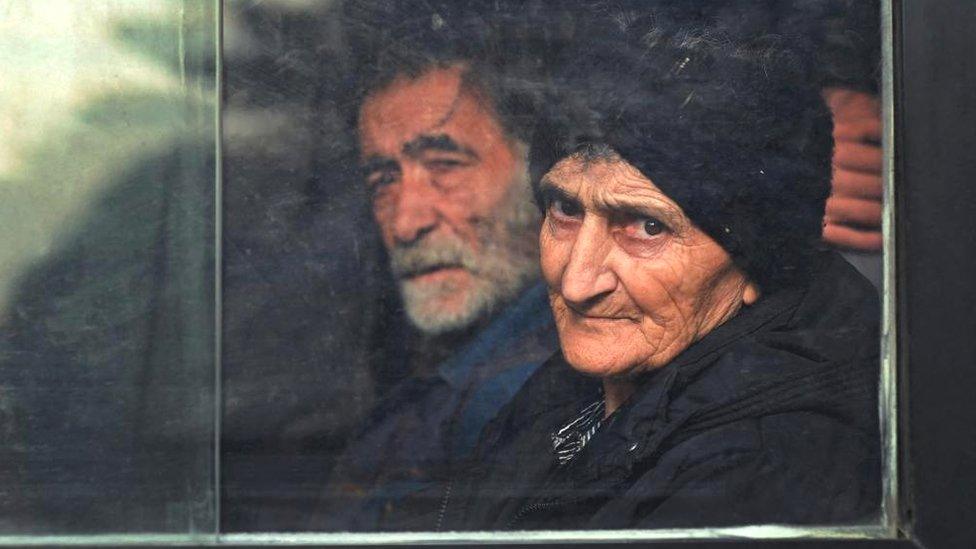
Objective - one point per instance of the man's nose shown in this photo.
(587, 277)
(416, 210)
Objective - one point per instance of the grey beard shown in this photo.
(507, 263)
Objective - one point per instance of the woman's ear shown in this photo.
(751, 293)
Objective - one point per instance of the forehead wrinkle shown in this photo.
(451, 109)
(613, 186)
(612, 196)
(639, 195)
(571, 186)
(388, 91)
(632, 185)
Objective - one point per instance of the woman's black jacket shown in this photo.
(770, 418)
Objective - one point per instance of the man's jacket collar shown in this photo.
(485, 354)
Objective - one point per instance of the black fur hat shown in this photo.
(731, 127)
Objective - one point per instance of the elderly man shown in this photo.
(444, 162)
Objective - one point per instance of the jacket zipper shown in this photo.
(445, 500)
(535, 507)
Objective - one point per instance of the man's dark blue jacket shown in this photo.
(388, 477)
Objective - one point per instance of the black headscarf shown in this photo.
(728, 124)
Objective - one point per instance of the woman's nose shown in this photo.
(416, 210)
(587, 277)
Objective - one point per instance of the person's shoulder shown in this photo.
(787, 440)
(799, 467)
(839, 299)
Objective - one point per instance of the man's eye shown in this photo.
(443, 164)
(564, 208)
(378, 180)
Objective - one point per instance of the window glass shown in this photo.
(372, 267)
(107, 311)
(520, 266)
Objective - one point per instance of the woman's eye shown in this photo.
(653, 227)
(646, 228)
(565, 208)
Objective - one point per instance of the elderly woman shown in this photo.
(716, 367)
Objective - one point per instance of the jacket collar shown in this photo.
(485, 353)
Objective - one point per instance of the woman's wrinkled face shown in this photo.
(632, 281)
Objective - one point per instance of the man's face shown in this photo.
(450, 194)
(632, 281)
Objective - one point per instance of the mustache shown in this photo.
(428, 256)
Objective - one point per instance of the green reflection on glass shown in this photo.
(107, 395)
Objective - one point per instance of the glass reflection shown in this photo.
(106, 267)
